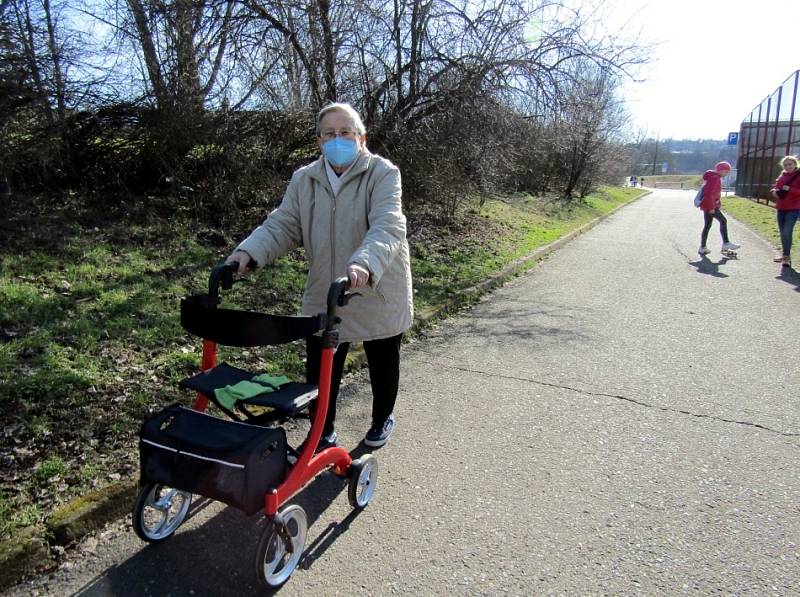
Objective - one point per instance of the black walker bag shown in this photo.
(232, 462)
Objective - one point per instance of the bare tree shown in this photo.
(15, 88)
(475, 86)
(30, 36)
(55, 53)
(305, 39)
(590, 120)
(183, 46)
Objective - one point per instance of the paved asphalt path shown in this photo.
(623, 419)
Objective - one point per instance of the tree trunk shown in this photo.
(150, 54)
(55, 57)
(28, 36)
(328, 49)
(188, 96)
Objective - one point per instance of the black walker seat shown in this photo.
(201, 316)
(289, 399)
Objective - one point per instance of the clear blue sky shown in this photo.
(715, 62)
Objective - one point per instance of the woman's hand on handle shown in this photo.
(358, 275)
(242, 258)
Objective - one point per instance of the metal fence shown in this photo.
(769, 132)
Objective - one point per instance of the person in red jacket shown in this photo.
(712, 207)
(787, 203)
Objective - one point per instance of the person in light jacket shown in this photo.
(345, 210)
(786, 193)
(711, 207)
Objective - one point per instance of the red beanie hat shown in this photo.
(722, 166)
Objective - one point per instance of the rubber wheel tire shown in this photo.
(363, 475)
(159, 500)
(274, 563)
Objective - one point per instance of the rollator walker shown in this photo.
(243, 460)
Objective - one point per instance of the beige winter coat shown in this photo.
(363, 224)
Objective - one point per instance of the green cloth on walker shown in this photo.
(260, 384)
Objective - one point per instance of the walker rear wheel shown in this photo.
(159, 510)
(363, 474)
(281, 547)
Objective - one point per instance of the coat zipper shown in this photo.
(333, 237)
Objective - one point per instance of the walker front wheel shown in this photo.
(281, 547)
(363, 474)
(159, 510)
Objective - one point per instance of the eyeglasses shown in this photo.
(331, 134)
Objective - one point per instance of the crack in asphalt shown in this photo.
(621, 397)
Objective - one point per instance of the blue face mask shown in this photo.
(340, 152)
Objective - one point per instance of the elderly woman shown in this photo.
(345, 209)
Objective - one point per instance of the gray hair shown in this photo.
(345, 109)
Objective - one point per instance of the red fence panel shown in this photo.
(767, 134)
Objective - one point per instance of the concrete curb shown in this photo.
(81, 516)
(28, 553)
(31, 550)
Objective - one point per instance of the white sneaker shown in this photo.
(730, 246)
(704, 250)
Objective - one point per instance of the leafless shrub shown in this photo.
(466, 97)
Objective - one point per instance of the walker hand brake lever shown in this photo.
(345, 297)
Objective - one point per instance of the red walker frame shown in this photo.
(308, 464)
(160, 508)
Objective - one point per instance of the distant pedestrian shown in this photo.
(633, 181)
(641, 180)
(711, 207)
(787, 203)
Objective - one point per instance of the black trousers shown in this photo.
(383, 359)
(709, 219)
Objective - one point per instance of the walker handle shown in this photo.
(337, 295)
(224, 275)
(221, 275)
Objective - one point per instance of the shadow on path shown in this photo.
(790, 276)
(225, 563)
(711, 268)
